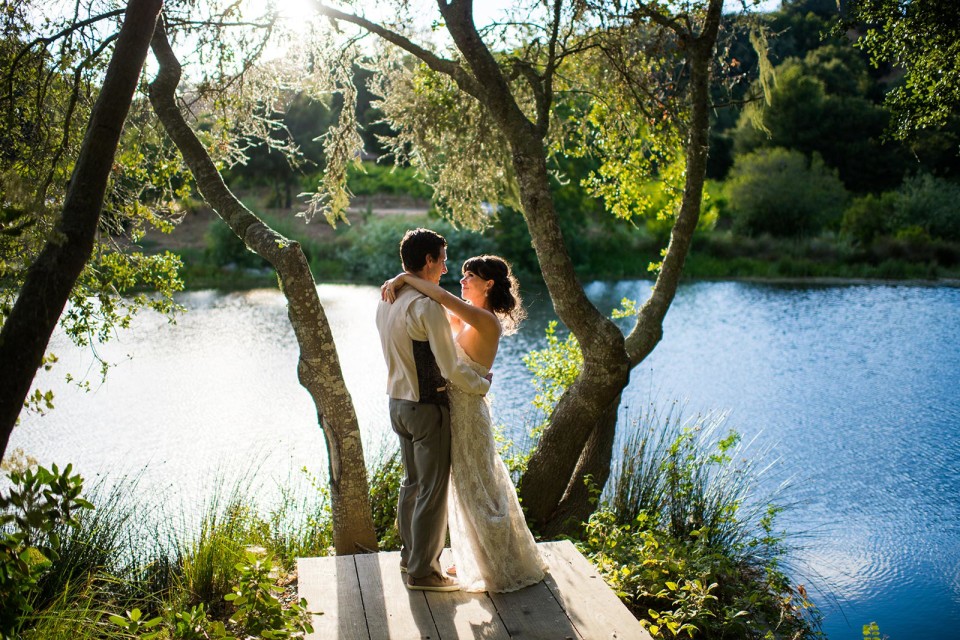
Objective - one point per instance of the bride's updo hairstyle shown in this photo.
(504, 296)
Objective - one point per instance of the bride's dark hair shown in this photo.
(504, 296)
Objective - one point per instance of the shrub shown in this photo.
(681, 536)
(223, 247)
(103, 559)
(385, 479)
(868, 217)
(685, 542)
(36, 503)
(923, 208)
(777, 191)
(375, 179)
(931, 203)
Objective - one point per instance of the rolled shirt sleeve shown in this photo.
(433, 320)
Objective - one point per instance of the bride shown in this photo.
(492, 547)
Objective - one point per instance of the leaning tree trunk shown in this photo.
(319, 367)
(51, 277)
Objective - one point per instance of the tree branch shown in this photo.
(74, 26)
(648, 329)
(449, 67)
(68, 116)
(674, 24)
(545, 97)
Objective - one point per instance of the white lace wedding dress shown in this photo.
(492, 547)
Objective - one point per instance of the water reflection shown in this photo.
(855, 387)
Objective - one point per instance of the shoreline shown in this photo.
(838, 281)
(240, 282)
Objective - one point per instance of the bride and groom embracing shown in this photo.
(438, 372)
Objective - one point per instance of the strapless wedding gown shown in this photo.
(492, 547)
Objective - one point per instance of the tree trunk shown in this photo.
(589, 477)
(606, 365)
(579, 438)
(593, 397)
(26, 333)
(319, 367)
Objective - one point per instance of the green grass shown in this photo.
(126, 554)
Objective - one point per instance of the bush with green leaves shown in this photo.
(223, 248)
(113, 559)
(30, 512)
(257, 612)
(780, 192)
(684, 540)
(385, 478)
(376, 179)
(869, 217)
(924, 206)
(930, 203)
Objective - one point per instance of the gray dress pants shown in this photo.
(424, 431)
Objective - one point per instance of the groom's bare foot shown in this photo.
(432, 582)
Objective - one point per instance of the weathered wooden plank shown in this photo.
(332, 590)
(392, 610)
(591, 605)
(534, 614)
(573, 602)
(465, 615)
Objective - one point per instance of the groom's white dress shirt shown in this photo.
(415, 317)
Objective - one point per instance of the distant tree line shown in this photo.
(815, 153)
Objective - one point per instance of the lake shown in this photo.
(854, 389)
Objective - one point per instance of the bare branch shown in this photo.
(219, 25)
(545, 96)
(68, 116)
(73, 27)
(672, 24)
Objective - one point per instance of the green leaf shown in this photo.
(120, 622)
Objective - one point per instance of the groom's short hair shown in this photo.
(416, 245)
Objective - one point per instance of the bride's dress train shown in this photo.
(492, 547)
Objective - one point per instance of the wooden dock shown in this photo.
(364, 597)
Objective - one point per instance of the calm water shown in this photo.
(855, 388)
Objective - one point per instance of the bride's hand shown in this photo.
(388, 290)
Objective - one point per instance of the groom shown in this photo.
(421, 357)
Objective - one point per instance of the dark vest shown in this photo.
(433, 388)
